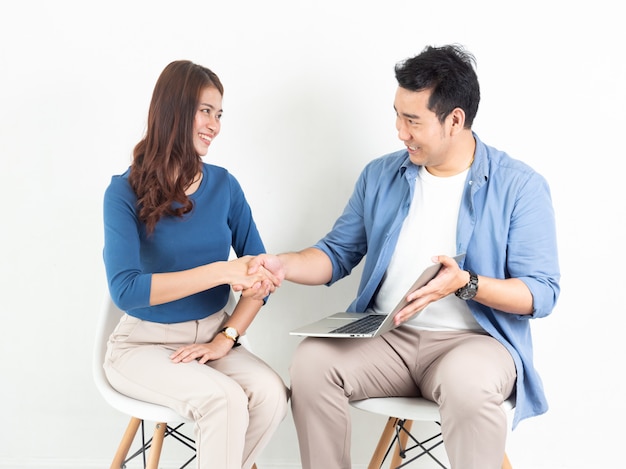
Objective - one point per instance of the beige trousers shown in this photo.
(468, 374)
(236, 402)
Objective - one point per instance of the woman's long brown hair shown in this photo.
(165, 160)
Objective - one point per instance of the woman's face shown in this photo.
(207, 121)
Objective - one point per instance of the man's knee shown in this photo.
(311, 362)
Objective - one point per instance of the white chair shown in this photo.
(402, 412)
(139, 411)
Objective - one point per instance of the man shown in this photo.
(470, 348)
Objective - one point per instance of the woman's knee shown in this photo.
(269, 388)
(224, 399)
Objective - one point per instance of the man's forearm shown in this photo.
(311, 266)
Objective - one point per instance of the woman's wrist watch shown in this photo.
(468, 291)
(232, 334)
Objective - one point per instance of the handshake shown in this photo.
(256, 276)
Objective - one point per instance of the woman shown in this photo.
(170, 221)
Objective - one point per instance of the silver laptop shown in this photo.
(366, 324)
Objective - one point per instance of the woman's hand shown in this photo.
(217, 348)
(254, 283)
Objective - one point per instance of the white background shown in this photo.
(308, 101)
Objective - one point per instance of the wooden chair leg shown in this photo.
(127, 441)
(157, 445)
(385, 439)
(506, 464)
(383, 443)
(396, 460)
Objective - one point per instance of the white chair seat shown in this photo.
(409, 408)
(401, 413)
(129, 406)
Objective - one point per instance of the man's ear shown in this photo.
(457, 120)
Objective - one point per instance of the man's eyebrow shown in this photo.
(410, 116)
(404, 114)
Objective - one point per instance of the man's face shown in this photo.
(427, 140)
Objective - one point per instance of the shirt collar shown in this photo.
(479, 170)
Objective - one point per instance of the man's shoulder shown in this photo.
(398, 155)
(498, 169)
(499, 160)
(388, 162)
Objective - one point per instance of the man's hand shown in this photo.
(447, 281)
(270, 263)
(256, 282)
(271, 267)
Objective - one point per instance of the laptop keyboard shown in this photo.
(364, 325)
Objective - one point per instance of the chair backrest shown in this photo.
(109, 317)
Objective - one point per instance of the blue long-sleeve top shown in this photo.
(221, 218)
(506, 227)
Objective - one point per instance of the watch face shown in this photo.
(231, 332)
(469, 291)
(467, 294)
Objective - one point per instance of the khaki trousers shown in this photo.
(468, 374)
(236, 402)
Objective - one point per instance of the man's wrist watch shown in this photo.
(468, 291)
(232, 334)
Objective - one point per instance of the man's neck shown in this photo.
(460, 156)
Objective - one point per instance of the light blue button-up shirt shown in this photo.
(506, 227)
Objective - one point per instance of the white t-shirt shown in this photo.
(428, 230)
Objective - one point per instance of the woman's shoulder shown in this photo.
(219, 174)
(119, 184)
(214, 169)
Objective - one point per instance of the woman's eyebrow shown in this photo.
(211, 106)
